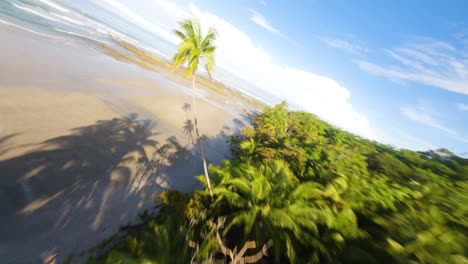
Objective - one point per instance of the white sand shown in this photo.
(74, 125)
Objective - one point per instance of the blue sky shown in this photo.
(394, 71)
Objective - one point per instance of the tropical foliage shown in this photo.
(320, 195)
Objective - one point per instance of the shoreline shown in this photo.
(85, 141)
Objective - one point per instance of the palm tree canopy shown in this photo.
(268, 201)
(194, 47)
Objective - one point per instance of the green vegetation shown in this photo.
(301, 191)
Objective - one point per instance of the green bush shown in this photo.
(320, 194)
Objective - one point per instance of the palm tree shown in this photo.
(268, 202)
(192, 49)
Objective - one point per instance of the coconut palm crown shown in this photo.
(194, 47)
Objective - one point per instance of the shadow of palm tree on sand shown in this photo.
(77, 189)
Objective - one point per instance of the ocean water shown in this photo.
(78, 20)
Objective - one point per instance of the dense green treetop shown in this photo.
(321, 195)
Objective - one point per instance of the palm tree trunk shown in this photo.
(202, 151)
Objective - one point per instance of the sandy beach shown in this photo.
(86, 140)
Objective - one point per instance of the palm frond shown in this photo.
(209, 63)
(179, 33)
(280, 218)
(188, 27)
(246, 219)
(209, 39)
(308, 190)
(241, 185)
(192, 64)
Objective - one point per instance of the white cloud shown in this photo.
(343, 45)
(260, 20)
(412, 142)
(426, 61)
(421, 114)
(402, 139)
(424, 118)
(125, 12)
(55, 6)
(263, 2)
(462, 107)
(237, 53)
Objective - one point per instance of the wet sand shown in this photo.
(86, 141)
